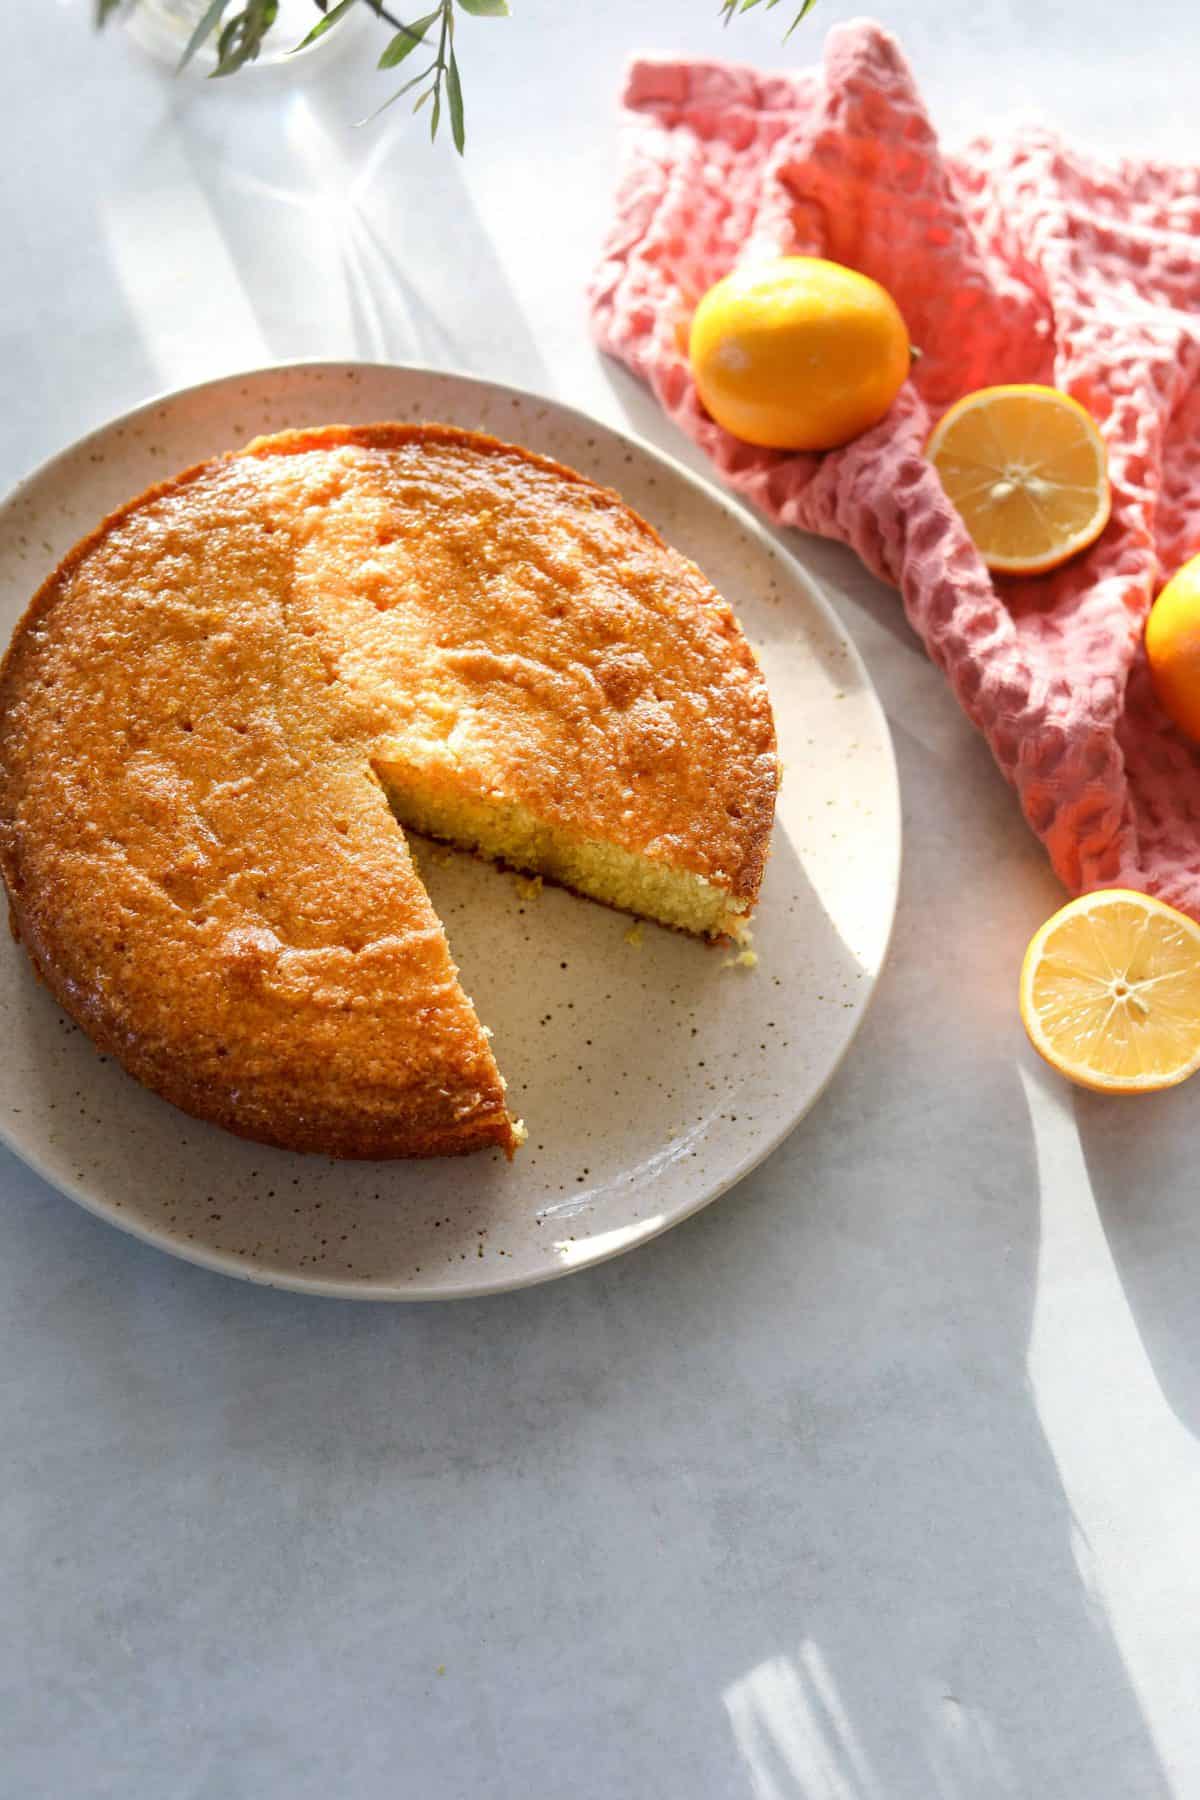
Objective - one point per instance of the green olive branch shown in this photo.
(239, 39)
(730, 7)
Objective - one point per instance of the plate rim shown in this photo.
(226, 1263)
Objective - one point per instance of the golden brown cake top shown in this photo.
(515, 623)
(198, 852)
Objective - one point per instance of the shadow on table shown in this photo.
(338, 209)
(1141, 1159)
(935, 1635)
(314, 238)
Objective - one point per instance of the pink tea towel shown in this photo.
(1017, 261)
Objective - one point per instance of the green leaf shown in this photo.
(105, 9)
(241, 39)
(437, 113)
(209, 21)
(487, 9)
(802, 14)
(324, 24)
(415, 82)
(454, 96)
(730, 7)
(407, 39)
(400, 93)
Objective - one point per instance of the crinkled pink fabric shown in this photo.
(1018, 261)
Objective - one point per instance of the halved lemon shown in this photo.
(1110, 992)
(1026, 468)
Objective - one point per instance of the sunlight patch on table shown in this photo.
(794, 1734)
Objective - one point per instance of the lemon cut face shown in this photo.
(1026, 468)
(1110, 992)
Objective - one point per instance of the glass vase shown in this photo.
(164, 28)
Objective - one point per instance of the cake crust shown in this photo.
(198, 706)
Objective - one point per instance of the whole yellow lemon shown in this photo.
(1173, 648)
(799, 353)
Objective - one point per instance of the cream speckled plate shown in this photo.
(651, 1074)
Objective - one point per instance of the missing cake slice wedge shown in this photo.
(508, 832)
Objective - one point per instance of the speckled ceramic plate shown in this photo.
(652, 1073)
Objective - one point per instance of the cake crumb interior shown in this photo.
(508, 832)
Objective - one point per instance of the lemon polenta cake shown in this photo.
(220, 711)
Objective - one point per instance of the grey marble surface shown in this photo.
(879, 1478)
